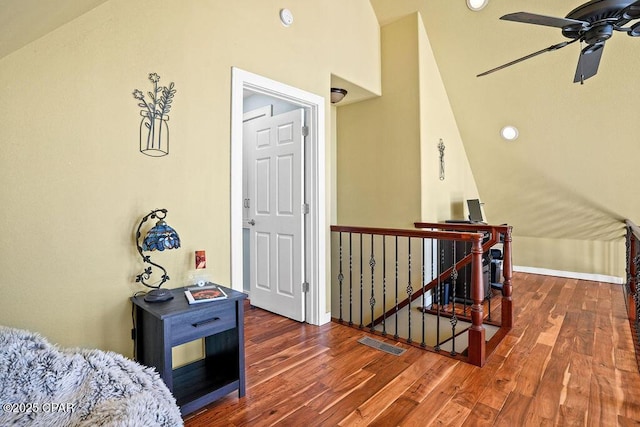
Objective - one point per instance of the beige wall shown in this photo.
(75, 185)
(388, 158)
(593, 257)
(379, 141)
(441, 199)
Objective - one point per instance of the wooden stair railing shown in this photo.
(476, 351)
(497, 234)
(468, 237)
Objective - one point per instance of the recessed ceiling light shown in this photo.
(509, 133)
(476, 5)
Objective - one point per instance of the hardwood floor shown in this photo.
(569, 360)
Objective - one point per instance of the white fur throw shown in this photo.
(43, 385)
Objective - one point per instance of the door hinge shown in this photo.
(305, 287)
(305, 130)
(305, 208)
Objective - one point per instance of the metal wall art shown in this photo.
(441, 149)
(154, 130)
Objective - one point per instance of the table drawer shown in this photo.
(219, 316)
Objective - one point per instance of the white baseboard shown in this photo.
(570, 274)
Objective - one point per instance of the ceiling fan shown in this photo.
(592, 23)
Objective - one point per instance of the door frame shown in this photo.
(315, 192)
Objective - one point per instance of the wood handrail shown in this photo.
(403, 232)
(463, 226)
(494, 230)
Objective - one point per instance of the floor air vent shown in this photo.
(387, 348)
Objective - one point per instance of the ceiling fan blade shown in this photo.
(588, 62)
(524, 58)
(549, 21)
(632, 11)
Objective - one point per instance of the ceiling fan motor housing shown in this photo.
(598, 34)
(599, 10)
(600, 16)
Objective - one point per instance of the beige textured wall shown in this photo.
(74, 185)
(594, 257)
(379, 140)
(441, 199)
(388, 160)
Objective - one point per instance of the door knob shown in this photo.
(252, 222)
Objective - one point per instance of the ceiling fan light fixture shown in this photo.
(510, 133)
(477, 5)
(598, 34)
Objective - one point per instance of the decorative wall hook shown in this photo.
(154, 130)
(441, 148)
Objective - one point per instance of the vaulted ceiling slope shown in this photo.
(23, 21)
(569, 175)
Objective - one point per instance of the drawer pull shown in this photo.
(204, 322)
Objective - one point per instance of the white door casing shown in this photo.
(274, 153)
(317, 234)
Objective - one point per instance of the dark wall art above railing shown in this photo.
(154, 127)
(422, 287)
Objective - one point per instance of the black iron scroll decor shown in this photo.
(154, 130)
(441, 149)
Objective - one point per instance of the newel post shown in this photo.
(507, 288)
(477, 342)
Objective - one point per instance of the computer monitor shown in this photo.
(475, 211)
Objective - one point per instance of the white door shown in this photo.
(275, 178)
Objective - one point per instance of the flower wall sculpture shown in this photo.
(154, 130)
